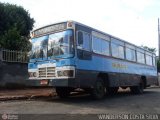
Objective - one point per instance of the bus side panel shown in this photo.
(123, 79)
(151, 80)
(129, 79)
(86, 78)
(113, 79)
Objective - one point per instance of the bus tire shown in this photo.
(138, 89)
(99, 89)
(63, 92)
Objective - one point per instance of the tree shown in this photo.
(15, 27)
(149, 49)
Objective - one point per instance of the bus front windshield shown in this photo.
(56, 45)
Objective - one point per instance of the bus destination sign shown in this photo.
(48, 29)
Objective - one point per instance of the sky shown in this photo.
(135, 21)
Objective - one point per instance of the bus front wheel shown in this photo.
(63, 92)
(99, 90)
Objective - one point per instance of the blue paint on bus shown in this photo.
(83, 54)
(107, 64)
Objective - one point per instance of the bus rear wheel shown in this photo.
(99, 90)
(138, 89)
(63, 92)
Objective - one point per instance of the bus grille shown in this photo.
(46, 72)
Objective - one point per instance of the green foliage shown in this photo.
(15, 27)
(10, 39)
(149, 49)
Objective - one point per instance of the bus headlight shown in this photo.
(60, 73)
(32, 74)
(68, 71)
(65, 73)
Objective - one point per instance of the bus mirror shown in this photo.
(80, 38)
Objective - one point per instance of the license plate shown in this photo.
(44, 82)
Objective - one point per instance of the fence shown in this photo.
(14, 56)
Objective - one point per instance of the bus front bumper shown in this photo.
(67, 82)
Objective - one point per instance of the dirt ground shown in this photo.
(74, 106)
(12, 94)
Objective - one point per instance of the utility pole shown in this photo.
(158, 39)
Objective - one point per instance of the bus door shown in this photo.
(84, 58)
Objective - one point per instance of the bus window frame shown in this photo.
(81, 47)
(150, 55)
(101, 53)
(124, 57)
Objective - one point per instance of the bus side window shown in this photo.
(83, 40)
(80, 38)
(83, 45)
(140, 57)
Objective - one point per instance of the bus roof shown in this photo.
(78, 23)
(114, 37)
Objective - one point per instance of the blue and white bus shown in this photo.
(70, 55)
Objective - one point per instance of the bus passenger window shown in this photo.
(80, 38)
(130, 54)
(148, 59)
(117, 51)
(83, 40)
(100, 46)
(140, 57)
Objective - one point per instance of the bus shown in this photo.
(70, 55)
